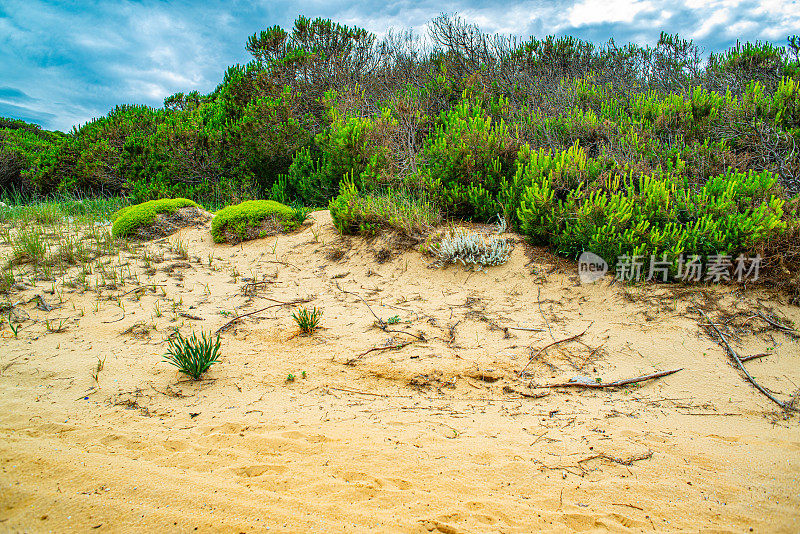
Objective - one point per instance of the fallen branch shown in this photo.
(738, 359)
(615, 384)
(576, 336)
(398, 346)
(380, 321)
(230, 323)
(783, 328)
(620, 461)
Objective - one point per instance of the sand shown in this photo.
(439, 435)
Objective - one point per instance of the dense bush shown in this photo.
(129, 218)
(247, 220)
(732, 213)
(617, 149)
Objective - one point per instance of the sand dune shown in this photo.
(424, 426)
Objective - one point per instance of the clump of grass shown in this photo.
(193, 356)
(129, 218)
(355, 212)
(7, 279)
(300, 213)
(28, 247)
(180, 248)
(308, 320)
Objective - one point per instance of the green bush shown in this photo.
(129, 218)
(732, 213)
(354, 212)
(466, 157)
(245, 220)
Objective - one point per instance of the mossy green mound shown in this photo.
(129, 218)
(253, 219)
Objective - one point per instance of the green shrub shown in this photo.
(354, 212)
(466, 157)
(129, 218)
(245, 220)
(732, 213)
(193, 356)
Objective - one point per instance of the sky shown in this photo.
(63, 63)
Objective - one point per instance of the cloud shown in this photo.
(65, 62)
(11, 93)
(604, 11)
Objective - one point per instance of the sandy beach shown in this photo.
(422, 423)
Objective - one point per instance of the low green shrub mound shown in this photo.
(129, 218)
(253, 219)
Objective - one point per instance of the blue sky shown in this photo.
(62, 63)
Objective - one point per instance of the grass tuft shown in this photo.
(308, 320)
(193, 356)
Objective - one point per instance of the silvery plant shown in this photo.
(471, 248)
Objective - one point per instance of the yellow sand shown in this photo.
(432, 437)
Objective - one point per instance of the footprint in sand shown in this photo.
(250, 471)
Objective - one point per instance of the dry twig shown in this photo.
(738, 360)
(540, 351)
(230, 323)
(616, 383)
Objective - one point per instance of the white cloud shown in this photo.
(717, 18)
(600, 11)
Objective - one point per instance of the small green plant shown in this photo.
(308, 320)
(54, 326)
(96, 370)
(14, 328)
(290, 378)
(180, 248)
(393, 320)
(193, 356)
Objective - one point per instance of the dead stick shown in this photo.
(525, 329)
(354, 359)
(736, 358)
(140, 288)
(754, 356)
(576, 336)
(620, 461)
(381, 321)
(227, 325)
(785, 329)
(421, 337)
(616, 383)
